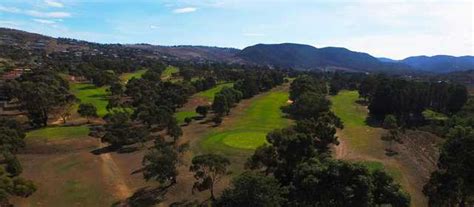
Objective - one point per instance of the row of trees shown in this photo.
(408, 99)
(296, 168)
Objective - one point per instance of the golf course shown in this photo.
(247, 130)
(362, 143)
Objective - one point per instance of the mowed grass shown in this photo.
(359, 135)
(248, 130)
(127, 76)
(210, 93)
(89, 93)
(181, 115)
(58, 133)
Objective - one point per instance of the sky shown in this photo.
(383, 28)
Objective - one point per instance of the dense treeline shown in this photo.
(408, 99)
(296, 168)
(11, 140)
(452, 117)
(452, 184)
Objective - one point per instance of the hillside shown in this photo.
(20, 48)
(305, 57)
(440, 63)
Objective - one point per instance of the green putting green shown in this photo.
(248, 131)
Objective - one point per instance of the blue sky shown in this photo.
(389, 28)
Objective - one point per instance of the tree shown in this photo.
(208, 170)
(87, 110)
(12, 136)
(188, 120)
(327, 182)
(14, 186)
(309, 105)
(11, 140)
(255, 190)
(390, 122)
(174, 130)
(65, 110)
(120, 131)
(217, 120)
(160, 163)
(203, 110)
(40, 95)
(220, 105)
(386, 191)
(453, 184)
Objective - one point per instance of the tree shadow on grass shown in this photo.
(144, 197)
(373, 121)
(110, 148)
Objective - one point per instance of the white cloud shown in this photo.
(48, 14)
(153, 27)
(9, 9)
(52, 3)
(44, 21)
(184, 10)
(253, 34)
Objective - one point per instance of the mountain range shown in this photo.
(286, 55)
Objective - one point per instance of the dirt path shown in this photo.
(113, 175)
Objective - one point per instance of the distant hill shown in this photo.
(305, 57)
(24, 48)
(387, 60)
(440, 63)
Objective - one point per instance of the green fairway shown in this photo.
(210, 93)
(89, 93)
(248, 130)
(127, 76)
(168, 72)
(356, 131)
(58, 133)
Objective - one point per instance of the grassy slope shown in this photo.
(59, 133)
(210, 93)
(127, 76)
(248, 130)
(168, 72)
(365, 141)
(89, 93)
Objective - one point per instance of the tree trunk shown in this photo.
(212, 192)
